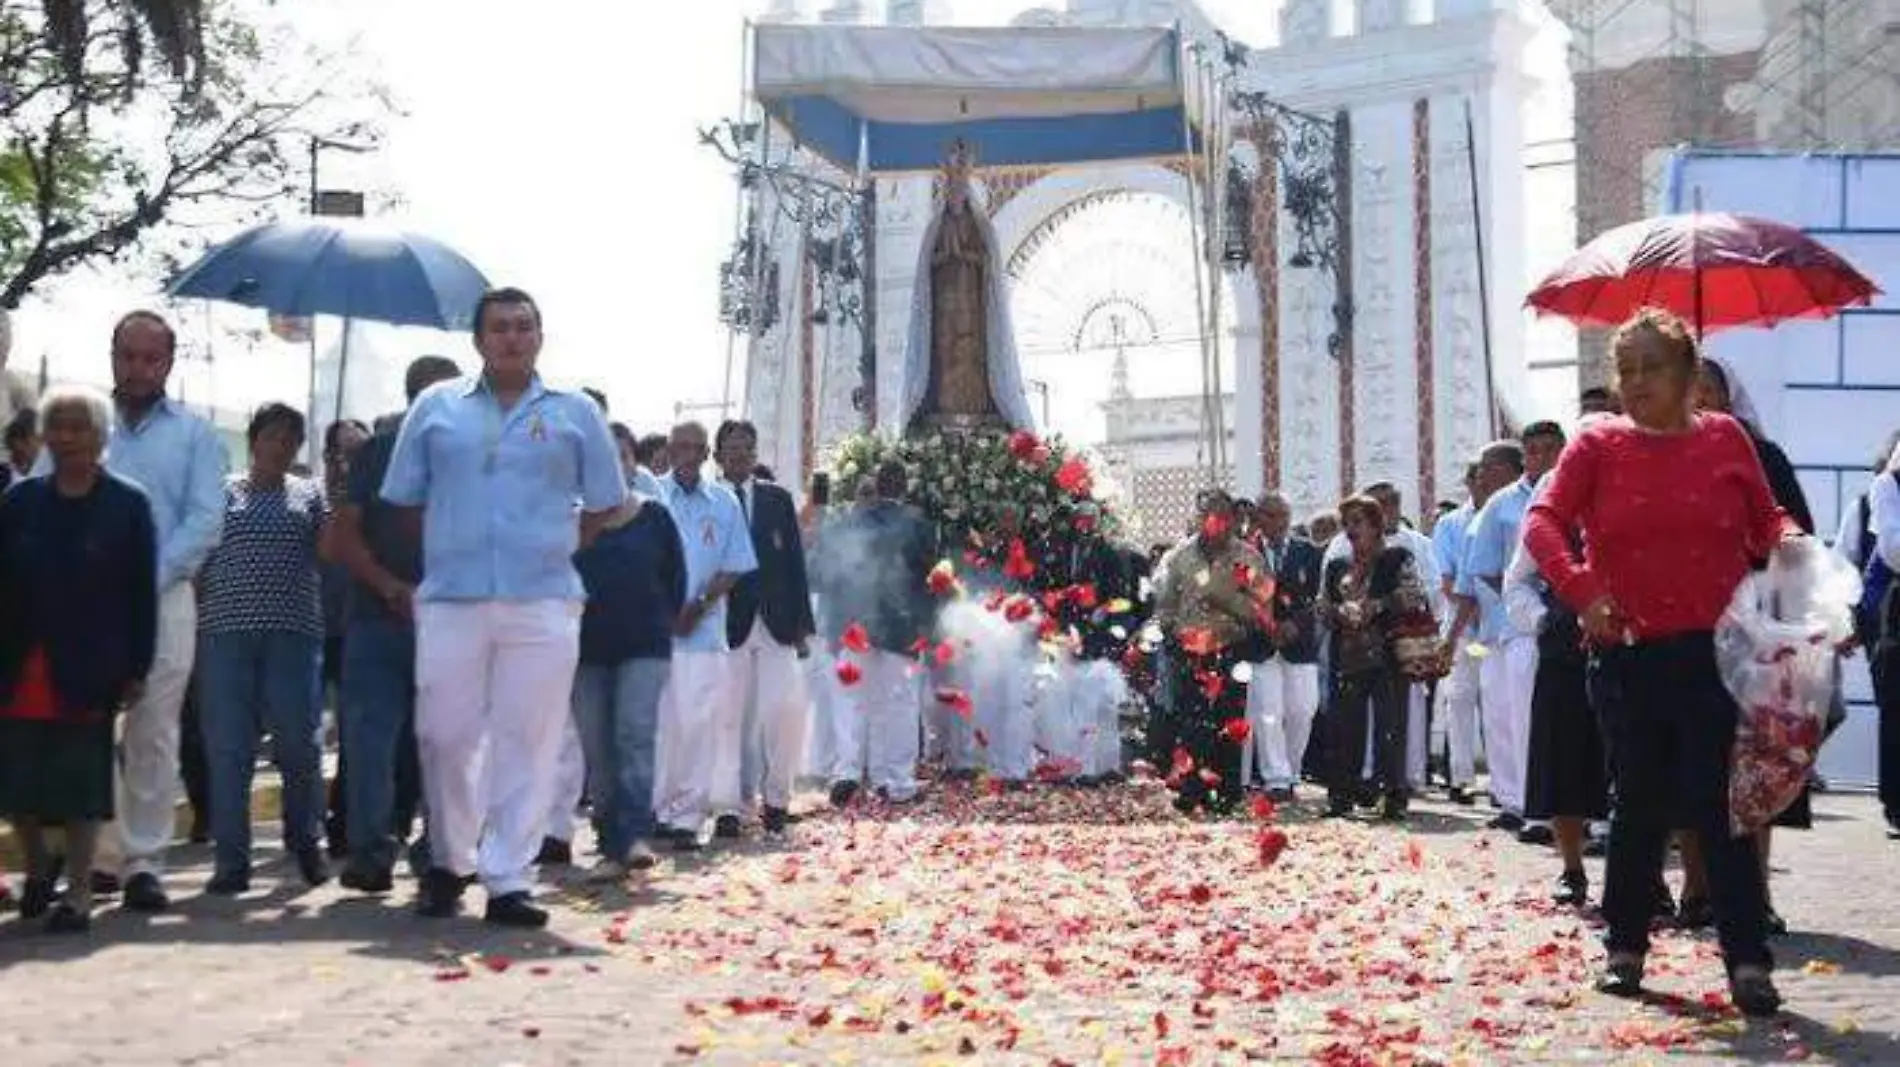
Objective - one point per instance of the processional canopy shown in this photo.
(895, 98)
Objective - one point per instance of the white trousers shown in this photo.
(1001, 682)
(1418, 741)
(146, 774)
(570, 782)
(1073, 701)
(696, 753)
(827, 712)
(1458, 711)
(1282, 699)
(879, 741)
(1505, 677)
(493, 682)
(768, 684)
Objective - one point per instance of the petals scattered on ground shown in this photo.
(1085, 926)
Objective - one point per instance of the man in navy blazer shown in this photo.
(1284, 695)
(769, 628)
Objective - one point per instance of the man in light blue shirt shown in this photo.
(177, 459)
(510, 477)
(696, 768)
(1458, 692)
(1508, 672)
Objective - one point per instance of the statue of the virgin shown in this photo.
(960, 370)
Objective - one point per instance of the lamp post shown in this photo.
(1314, 158)
(318, 145)
(836, 215)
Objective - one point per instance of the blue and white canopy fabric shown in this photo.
(1018, 96)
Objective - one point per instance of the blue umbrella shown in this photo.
(344, 267)
(348, 268)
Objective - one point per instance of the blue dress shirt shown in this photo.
(1448, 540)
(715, 539)
(177, 459)
(500, 489)
(1490, 542)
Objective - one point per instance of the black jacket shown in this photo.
(78, 578)
(1296, 597)
(779, 587)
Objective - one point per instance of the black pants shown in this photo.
(1885, 660)
(1668, 733)
(191, 757)
(1196, 723)
(336, 818)
(1364, 700)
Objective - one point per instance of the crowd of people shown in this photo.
(527, 614)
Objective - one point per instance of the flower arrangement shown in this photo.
(985, 489)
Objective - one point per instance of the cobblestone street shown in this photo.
(975, 928)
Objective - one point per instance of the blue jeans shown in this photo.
(248, 683)
(377, 720)
(617, 711)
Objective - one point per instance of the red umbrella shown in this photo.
(1714, 269)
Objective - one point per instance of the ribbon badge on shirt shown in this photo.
(537, 428)
(708, 532)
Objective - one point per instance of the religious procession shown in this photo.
(1184, 566)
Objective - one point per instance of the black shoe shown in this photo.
(554, 853)
(1462, 796)
(727, 828)
(367, 879)
(1507, 822)
(143, 893)
(103, 884)
(1573, 889)
(222, 884)
(440, 895)
(314, 866)
(67, 919)
(1537, 834)
(1893, 826)
(1694, 913)
(1283, 795)
(37, 896)
(686, 841)
(842, 793)
(1774, 924)
(1754, 995)
(515, 909)
(1338, 809)
(1394, 807)
(1621, 978)
(775, 820)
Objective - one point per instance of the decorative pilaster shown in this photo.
(1384, 356)
(1264, 242)
(1463, 391)
(1423, 310)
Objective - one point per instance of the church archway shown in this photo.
(1101, 273)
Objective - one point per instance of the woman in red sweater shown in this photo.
(1672, 508)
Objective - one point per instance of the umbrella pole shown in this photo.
(1695, 260)
(342, 372)
(311, 438)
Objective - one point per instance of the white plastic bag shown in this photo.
(1775, 649)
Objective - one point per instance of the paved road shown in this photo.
(860, 940)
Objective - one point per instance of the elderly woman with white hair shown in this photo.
(78, 625)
